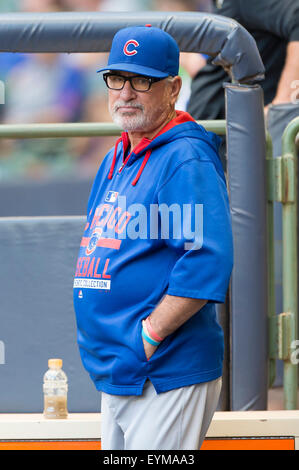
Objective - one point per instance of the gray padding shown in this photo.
(63, 196)
(224, 39)
(38, 257)
(248, 295)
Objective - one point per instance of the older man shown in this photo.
(155, 258)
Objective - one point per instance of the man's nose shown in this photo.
(127, 92)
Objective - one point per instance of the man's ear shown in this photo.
(176, 85)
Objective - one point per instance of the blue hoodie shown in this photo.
(132, 254)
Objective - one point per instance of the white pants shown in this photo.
(174, 420)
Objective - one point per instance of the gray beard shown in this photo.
(128, 122)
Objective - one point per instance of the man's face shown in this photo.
(141, 111)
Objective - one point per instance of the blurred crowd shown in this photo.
(52, 87)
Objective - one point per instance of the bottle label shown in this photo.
(55, 406)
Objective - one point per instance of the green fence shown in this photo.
(283, 328)
(282, 187)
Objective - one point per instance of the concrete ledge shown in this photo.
(88, 425)
(35, 426)
(255, 423)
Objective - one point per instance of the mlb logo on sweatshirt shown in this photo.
(111, 196)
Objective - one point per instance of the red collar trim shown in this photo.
(181, 117)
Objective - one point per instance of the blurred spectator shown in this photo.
(183, 5)
(9, 5)
(40, 88)
(190, 63)
(36, 6)
(275, 27)
(125, 5)
(82, 5)
(44, 88)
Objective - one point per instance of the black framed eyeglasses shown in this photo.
(140, 83)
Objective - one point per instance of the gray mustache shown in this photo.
(120, 104)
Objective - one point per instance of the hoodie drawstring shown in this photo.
(114, 159)
(146, 157)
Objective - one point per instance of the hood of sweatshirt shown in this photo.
(182, 126)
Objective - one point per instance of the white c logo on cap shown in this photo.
(132, 51)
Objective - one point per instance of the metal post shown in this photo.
(290, 281)
(272, 335)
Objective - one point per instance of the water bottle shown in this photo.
(55, 390)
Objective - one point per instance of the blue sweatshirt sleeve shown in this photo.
(199, 231)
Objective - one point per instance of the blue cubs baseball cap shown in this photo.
(144, 50)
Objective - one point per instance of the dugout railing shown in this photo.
(282, 187)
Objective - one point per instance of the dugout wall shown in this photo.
(37, 315)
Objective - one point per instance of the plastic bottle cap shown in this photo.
(56, 363)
